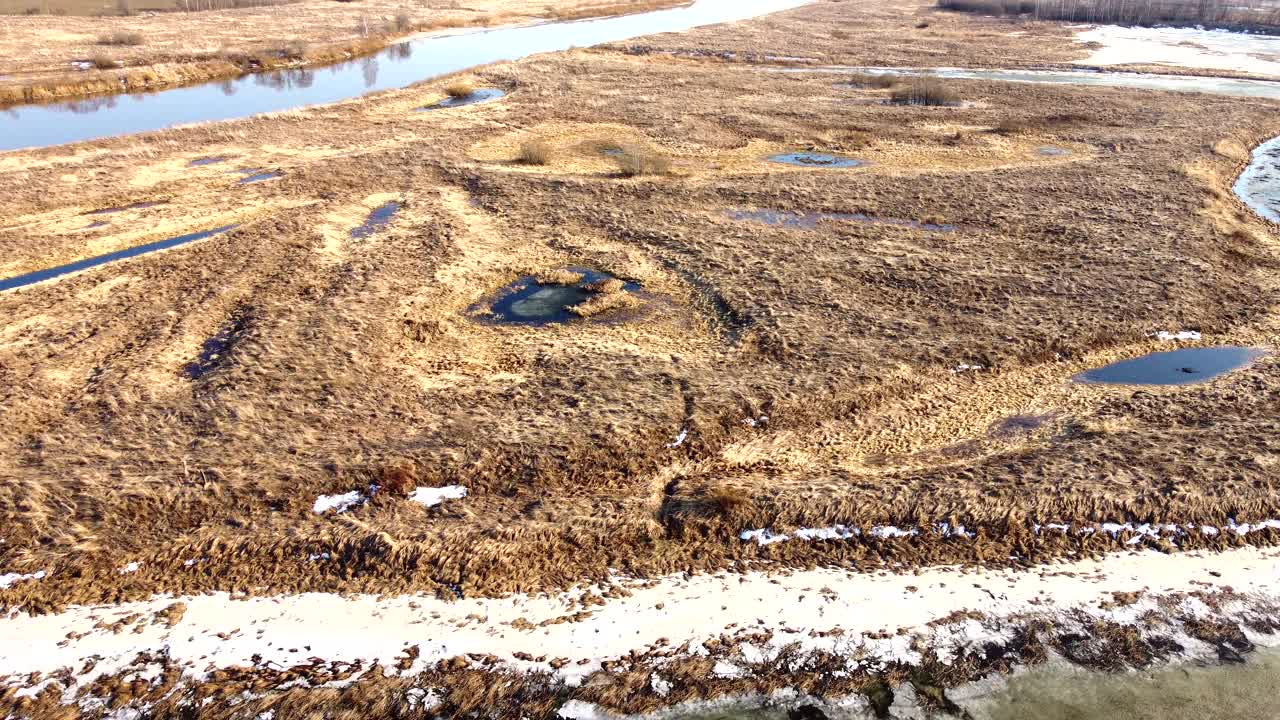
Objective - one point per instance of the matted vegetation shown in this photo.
(848, 373)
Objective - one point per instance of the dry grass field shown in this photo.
(771, 377)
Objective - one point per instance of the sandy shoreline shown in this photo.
(872, 622)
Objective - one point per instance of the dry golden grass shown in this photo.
(362, 363)
(459, 89)
(636, 161)
(535, 152)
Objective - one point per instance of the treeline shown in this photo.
(1255, 15)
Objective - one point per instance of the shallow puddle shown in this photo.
(214, 350)
(1051, 151)
(482, 95)
(200, 162)
(377, 219)
(1175, 367)
(529, 301)
(41, 275)
(259, 176)
(810, 220)
(815, 159)
(122, 208)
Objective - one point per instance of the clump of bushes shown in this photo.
(121, 37)
(633, 162)
(459, 89)
(535, 152)
(1012, 126)
(925, 91)
(402, 22)
(103, 62)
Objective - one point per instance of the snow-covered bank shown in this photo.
(1185, 47)
(868, 618)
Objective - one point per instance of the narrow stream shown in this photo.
(394, 67)
(1259, 185)
(1137, 81)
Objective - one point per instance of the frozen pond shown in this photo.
(1186, 47)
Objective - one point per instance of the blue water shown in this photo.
(1176, 367)
(42, 275)
(816, 159)
(529, 302)
(395, 67)
(257, 176)
(380, 216)
(481, 95)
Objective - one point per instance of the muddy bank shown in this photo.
(639, 645)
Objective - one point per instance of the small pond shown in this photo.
(481, 95)
(377, 219)
(531, 301)
(1175, 367)
(258, 176)
(816, 159)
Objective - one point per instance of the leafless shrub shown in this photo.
(535, 152)
(634, 161)
(925, 91)
(402, 22)
(121, 37)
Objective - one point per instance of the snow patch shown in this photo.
(431, 497)
(578, 710)
(130, 568)
(684, 434)
(1186, 47)
(1181, 335)
(338, 503)
(8, 580)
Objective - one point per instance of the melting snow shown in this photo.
(9, 579)
(130, 568)
(684, 433)
(1183, 335)
(338, 503)
(430, 496)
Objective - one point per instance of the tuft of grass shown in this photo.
(880, 81)
(121, 37)
(459, 89)
(1012, 126)
(397, 478)
(535, 152)
(103, 62)
(559, 277)
(634, 162)
(839, 34)
(294, 49)
(725, 499)
(926, 91)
